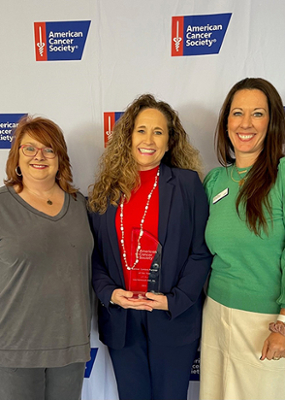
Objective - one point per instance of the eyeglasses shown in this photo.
(32, 151)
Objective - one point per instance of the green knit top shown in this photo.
(248, 271)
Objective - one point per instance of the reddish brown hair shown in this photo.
(49, 134)
(263, 174)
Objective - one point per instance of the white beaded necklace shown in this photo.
(141, 225)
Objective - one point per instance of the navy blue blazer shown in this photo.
(183, 213)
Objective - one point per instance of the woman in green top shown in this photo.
(242, 356)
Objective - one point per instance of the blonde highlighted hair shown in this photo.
(118, 171)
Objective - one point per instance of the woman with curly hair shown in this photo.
(150, 261)
(45, 269)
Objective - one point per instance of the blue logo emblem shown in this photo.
(198, 34)
(195, 370)
(8, 122)
(110, 118)
(89, 364)
(58, 41)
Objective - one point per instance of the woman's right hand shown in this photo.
(123, 298)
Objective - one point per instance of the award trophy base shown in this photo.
(145, 277)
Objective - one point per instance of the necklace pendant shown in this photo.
(49, 202)
(241, 172)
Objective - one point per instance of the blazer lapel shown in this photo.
(165, 196)
(111, 216)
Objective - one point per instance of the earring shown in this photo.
(17, 169)
(57, 176)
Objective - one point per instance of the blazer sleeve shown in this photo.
(196, 268)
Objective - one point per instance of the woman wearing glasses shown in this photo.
(45, 250)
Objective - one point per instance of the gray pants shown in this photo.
(61, 383)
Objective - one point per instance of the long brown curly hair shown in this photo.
(262, 176)
(118, 171)
(49, 134)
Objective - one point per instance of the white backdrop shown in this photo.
(128, 52)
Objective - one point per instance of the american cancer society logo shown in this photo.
(90, 363)
(58, 41)
(110, 118)
(198, 34)
(8, 122)
(195, 370)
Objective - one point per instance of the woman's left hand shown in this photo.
(160, 301)
(274, 347)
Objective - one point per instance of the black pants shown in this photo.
(148, 371)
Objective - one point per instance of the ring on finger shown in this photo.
(276, 358)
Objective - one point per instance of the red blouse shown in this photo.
(133, 212)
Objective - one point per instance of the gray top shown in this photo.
(44, 283)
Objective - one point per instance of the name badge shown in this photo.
(221, 195)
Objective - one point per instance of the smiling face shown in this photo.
(247, 125)
(149, 139)
(37, 168)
